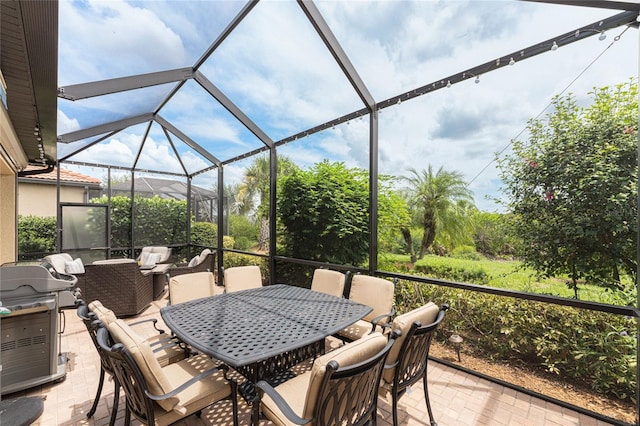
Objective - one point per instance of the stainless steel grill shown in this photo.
(29, 335)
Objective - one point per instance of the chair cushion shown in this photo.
(242, 278)
(425, 315)
(163, 252)
(374, 292)
(113, 261)
(349, 354)
(328, 281)
(191, 286)
(105, 315)
(358, 329)
(157, 381)
(295, 393)
(165, 351)
(202, 393)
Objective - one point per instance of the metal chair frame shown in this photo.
(339, 388)
(412, 362)
(140, 401)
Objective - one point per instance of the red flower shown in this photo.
(549, 196)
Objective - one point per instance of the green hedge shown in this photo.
(592, 349)
(36, 234)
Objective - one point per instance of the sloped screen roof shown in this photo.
(184, 87)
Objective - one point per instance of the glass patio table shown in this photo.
(262, 332)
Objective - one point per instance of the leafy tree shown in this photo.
(439, 203)
(324, 213)
(491, 234)
(572, 188)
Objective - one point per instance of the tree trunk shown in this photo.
(406, 234)
(263, 237)
(429, 233)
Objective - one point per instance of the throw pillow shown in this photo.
(153, 258)
(74, 266)
(194, 261)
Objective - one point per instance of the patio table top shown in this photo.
(250, 326)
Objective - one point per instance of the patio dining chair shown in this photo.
(240, 278)
(166, 350)
(340, 389)
(191, 286)
(329, 282)
(378, 294)
(409, 356)
(157, 395)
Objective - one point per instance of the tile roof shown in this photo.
(65, 176)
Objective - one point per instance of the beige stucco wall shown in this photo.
(40, 200)
(11, 157)
(8, 218)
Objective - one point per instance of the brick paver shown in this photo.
(457, 398)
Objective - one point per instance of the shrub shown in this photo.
(466, 252)
(594, 349)
(36, 234)
(452, 270)
(204, 234)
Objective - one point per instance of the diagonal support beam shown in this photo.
(115, 85)
(187, 140)
(104, 128)
(329, 39)
(600, 4)
(232, 108)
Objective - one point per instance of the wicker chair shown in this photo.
(118, 284)
(407, 360)
(204, 262)
(341, 388)
(158, 395)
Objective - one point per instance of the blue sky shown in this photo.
(278, 71)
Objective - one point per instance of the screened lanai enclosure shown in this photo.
(319, 128)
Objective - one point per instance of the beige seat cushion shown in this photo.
(358, 329)
(113, 261)
(183, 288)
(374, 292)
(154, 254)
(242, 278)
(301, 392)
(165, 379)
(164, 349)
(105, 315)
(328, 281)
(425, 315)
(151, 369)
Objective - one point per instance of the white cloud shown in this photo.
(66, 124)
(278, 71)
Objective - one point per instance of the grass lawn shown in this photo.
(510, 274)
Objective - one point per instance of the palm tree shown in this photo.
(256, 185)
(439, 202)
